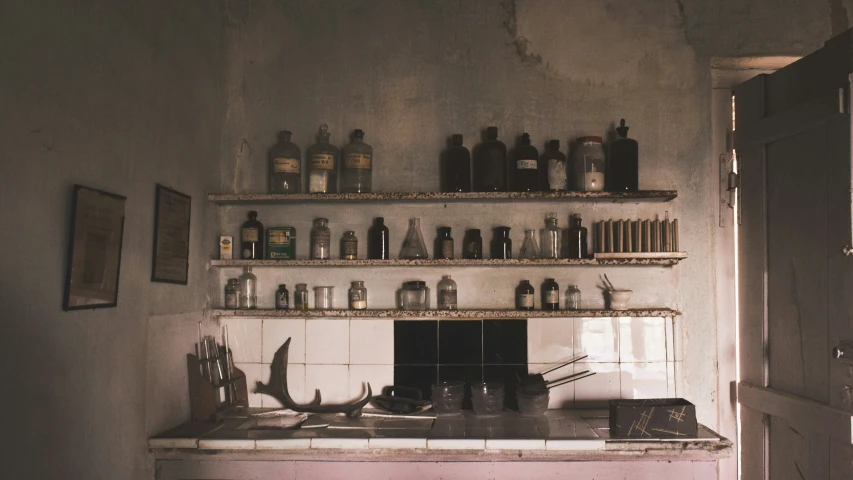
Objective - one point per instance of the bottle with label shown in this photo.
(349, 246)
(252, 238)
(447, 295)
(524, 296)
(501, 244)
(321, 240)
(444, 244)
(232, 294)
(456, 168)
(576, 239)
(490, 164)
(248, 289)
(285, 166)
(300, 297)
(550, 295)
(322, 164)
(282, 298)
(551, 244)
(552, 168)
(377, 240)
(357, 296)
(588, 165)
(356, 170)
(573, 298)
(472, 246)
(414, 247)
(622, 162)
(525, 166)
(529, 249)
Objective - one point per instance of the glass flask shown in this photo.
(550, 238)
(526, 166)
(588, 165)
(252, 238)
(529, 249)
(282, 298)
(357, 296)
(356, 171)
(322, 164)
(490, 164)
(321, 239)
(300, 297)
(444, 244)
(576, 239)
(349, 246)
(622, 162)
(501, 244)
(550, 295)
(472, 245)
(553, 168)
(524, 296)
(248, 289)
(232, 294)
(573, 298)
(447, 294)
(324, 298)
(456, 172)
(377, 240)
(413, 245)
(285, 166)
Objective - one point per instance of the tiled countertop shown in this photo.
(559, 435)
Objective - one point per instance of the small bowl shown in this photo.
(619, 299)
(447, 397)
(532, 404)
(487, 398)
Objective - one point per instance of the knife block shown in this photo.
(205, 403)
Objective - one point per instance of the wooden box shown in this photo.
(653, 418)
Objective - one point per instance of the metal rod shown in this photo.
(675, 236)
(550, 386)
(647, 236)
(619, 241)
(610, 236)
(573, 360)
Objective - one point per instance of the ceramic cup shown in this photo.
(619, 299)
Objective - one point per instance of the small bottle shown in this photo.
(232, 294)
(282, 298)
(553, 168)
(550, 295)
(447, 295)
(285, 166)
(414, 247)
(526, 166)
(248, 289)
(349, 246)
(550, 238)
(472, 246)
(529, 249)
(622, 170)
(321, 239)
(576, 239)
(489, 173)
(573, 298)
(501, 244)
(300, 297)
(251, 236)
(444, 244)
(322, 164)
(524, 296)
(357, 296)
(377, 240)
(456, 174)
(356, 171)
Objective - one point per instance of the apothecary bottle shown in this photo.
(456, 168)
(349, 246)
(573, 298)
(357, 165)
(553, 168)
(524, 296)
(414, 247)
(357, 296)
(232, 294)
(577, 237)
(472, 245)
(588, 165)
(622, 173)
(282, 298)
(321, 239)
(285, 166)
(490, 164)
(444, 244)
(252, 238)
(322, 164)
(550, 295)
(525, 166)
(529, 248)
(447, 294)
(377, 240)
(248, 289)
(501, 244)
(550, 240)
(300, 297)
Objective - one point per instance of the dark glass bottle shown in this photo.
(550, 295)
(282, 298)
(472, 248)
(524, 296)
(377, 240)
(553, 168)
(490, 164)
(525, 170)
(501, 244)
(457, 167)
(622, 171)
(285, 166)
(444, 244)
(576, 236)
(357, 165)
(251, 238)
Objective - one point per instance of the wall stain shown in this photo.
(245, 153)
(838, 17)
(682, 20)
(520, 42)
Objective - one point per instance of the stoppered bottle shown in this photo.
(377, 240)
(490, 164)
(322, 164)
(285, 165)
(357, 169)
(525, 166)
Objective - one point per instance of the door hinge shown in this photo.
(729, 185)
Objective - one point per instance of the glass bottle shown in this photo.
(321, 240)
(622, 162)
(550, 295)
(524, 296)
(252, 238)
(356, 171)
(324, 298)
(444, 244)
(357, 296)
(413, 245)
(529, 249)
(349, 246)
(526, 166)
(550, 237)
(300, 297)
(285, 166)
(472, 246)
(573, 298)
(456, 175)
(490, 164)
(282, 298)
(576, 239)
(447, 294)
(501, 244)
(588, 165)
(377, 240)
(232, 294)
(248, 289)
(552, 168)
(322, 164)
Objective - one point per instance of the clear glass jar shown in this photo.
(447, 294)
(232, 294)
(357, 165)
(413, 245)
(285, 166)
(550, 238)
(588, 165)
(529, 249)
(349, 246)
(248, 289)
(322, 164)
(321, 239)
(324, 298)
(300, 297)
(573, 298)
(413, 296)
(282, 298)
(357, 296)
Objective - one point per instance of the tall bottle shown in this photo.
(622, 173)
(525, 166)
(414, 247)
(248, 289)
(377, 240)
(576, 239)
(456, 167)
(501, 244)
(252, 238)
(524, 296)
(553, 168)
(357, 165)
(444, 244)
(285, 166)
(490, 164)
(447, 294)
(322, 164)
(550, 295)
(551, 244)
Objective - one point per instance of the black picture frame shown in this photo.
(94, 249)
(171, 259)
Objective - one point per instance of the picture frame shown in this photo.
(94, 249)
(172, 211)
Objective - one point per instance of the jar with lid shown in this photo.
(232, 294)
(444, 244)
(324, 297)
(357, 296)
(321, 239)
(550, 295)
(300, 297)
(322, 164)
(472, 246)
(413, 296)
(622, 162)
(357, 165)
(501, 244)
(282, 298)
(490, 164)
(588, 165)
(248, 289)
(377, 240)
(349, 246)
(456, 167)
(551, 244)
(447, 296)
(573, 298)
(524, 295)
(285, 166)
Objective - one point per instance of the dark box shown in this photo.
(653, 418)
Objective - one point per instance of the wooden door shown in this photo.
(793, 143)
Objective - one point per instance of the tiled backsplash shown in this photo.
(632, 357)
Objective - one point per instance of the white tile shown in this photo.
(226, 444)
(515, 444)
(549, 340)
(670, 379)
(598, 338)
(371, 342)
(644, 380)
(456, 444)
(642, 340)
(244, 338)
(332, 380)
(678, 368)
(172, 443)
(398, 443)
(327, 342)
(277, 331)
(378, 376)
(595, 391)
(295, 385)
(678, 338)
(670, 338)
(574, 445)
(283, 444)
(255, 372)
(345, 443)
(562, 396)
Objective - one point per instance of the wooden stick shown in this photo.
(675, 236)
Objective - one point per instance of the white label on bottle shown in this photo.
(231, 300)
(286, 165)
(447, 299)
(556, 174)
(357, 160)
(525, 300)
(249, 234)
(552, 296)
(322, 161)
(526, 164)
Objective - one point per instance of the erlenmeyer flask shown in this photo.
(413, 245)
(529, 249)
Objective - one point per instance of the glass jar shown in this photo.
(553, 168)
(300, 297)
(588, 165)
(414, 247)
(232, 294)
(551, 238)
(472, 246)
(282, 298)
(490, 164)
(529, 249)
(444, 244)
(324, 298)
(349, 246)
(413, 296)
(550, 295)
(524, 295)
(248, 289)
(285, 166)
(501, 244)
(622, 162)
(322, 164)
(357, 296)
(321, 239)
(377, 240)
(456, 175)
(573, 298)
(577, 235)
(447, 296)
(357, 165)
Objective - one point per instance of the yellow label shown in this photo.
(357, 160)
(286, 165)
(279, 237)
(323, 161)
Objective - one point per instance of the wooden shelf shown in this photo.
(448, 314)
(657, 259)
(283, 198)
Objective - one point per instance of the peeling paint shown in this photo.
(520, 42)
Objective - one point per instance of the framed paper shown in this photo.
(171, 236)
(94, 249)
